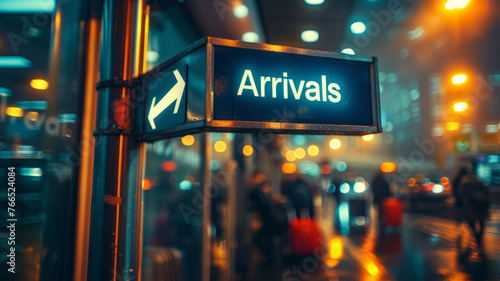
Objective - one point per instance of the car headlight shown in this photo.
(437, 188)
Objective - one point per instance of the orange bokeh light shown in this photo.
(388, 167)
(289, 168)
(146, 184)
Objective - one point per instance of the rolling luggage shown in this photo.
(163, 264)
(393, 212)
(305, 237)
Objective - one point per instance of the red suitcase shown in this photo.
(305, 237)
(393, 212)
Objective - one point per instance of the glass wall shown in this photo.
(41, 93)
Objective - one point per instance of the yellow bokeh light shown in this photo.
(220, 146)
(313, 150)
(188, 140)
(335, 144)
(290, 155)
(372, 269)
(33, 115)
(15, 111)
(300, 153)
(452, 126)
(368, 137)
(459, 79)
(460, 106)
(335, 248)
(247, 150)
(289, 168)
(39, 84)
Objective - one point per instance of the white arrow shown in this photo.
(175, 94)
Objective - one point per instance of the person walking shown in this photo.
(459, 205)
(381, 191)
(475, 197)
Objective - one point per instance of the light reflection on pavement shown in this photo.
(430, 248)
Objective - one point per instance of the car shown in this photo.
(422, 188)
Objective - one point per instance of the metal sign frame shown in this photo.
(202, 119)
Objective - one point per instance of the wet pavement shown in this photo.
(429, 246)
(433, 248)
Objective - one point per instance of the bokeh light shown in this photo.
(335, 144)
(459, 79)
(456, 4)
(247, 150)
(14, 111)
(348, 51)
(220, 146)
(290, 155)
(314, 2)
(368, 137)
(39, 84)
(309, 36)
(313, 150)
(169, 166)
(358, 27)
(251, 37)
(452, 126)
(388, 167)
(146, 184)
(187, 140)
(240, 11)
(460, 106)
(300, 153)
(289, 168)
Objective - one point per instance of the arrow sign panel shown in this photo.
(167, 100)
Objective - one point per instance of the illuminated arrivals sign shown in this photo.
(242, 87)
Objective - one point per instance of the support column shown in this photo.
(114, 230)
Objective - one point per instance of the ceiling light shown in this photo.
(309, 36)
(251, 37)
(348, 51)
(314, 2)
(240, 11)
(39, 84)
(358, 27)
(5, 92)
(27, 6)
(14, 62)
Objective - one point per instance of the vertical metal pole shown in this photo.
(207, 185)
(92, 34)
(114, 226)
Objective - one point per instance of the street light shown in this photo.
(459, 79)
(456, 4)
(460, 106)
(335, 144)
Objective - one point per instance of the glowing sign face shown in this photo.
(257, 85)
(219, 85)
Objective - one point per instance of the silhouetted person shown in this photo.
(337, 181)
(260, 203)
(300, 195)
(457, 182)
(476, 202)
(381, 191)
